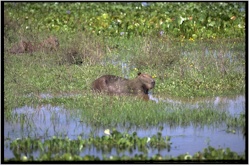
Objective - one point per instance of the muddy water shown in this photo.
(46, 121)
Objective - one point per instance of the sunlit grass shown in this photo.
(101, 110)
(187, 68)
(209, 71)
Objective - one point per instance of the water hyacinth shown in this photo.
(126, 43)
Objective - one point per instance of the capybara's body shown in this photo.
(22, 47)
(111, 84)
(51, 43)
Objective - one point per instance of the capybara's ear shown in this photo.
(139, 73)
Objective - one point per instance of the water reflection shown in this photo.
(46, 121)
(234, 105)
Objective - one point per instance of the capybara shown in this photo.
(50, 43)
(22, 47)
(138, 86)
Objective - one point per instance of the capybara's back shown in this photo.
(110, 84)
(117, 85)
(51, 43)
(22, 47)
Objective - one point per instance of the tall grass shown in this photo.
(126, 111)
(185, 69)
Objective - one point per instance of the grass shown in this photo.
(106, 110)
(179, 70)
(192, 72)
(208, 71)
(103, 44)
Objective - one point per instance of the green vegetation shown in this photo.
(58, 148)
(176, 19)
(194, 49)
(218, 72)
(112, 111)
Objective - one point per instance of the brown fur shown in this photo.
(138, 86)
(22, 47)
(50, 43)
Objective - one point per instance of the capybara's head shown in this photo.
(147, 81)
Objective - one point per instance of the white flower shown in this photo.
(80, 147)
(107, 131)
(187, 157)
(148, 140)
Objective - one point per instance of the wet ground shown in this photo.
(46, 121)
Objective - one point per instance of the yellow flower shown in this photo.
(233, 18)
(24, 158)
(154, 76)
(135, 69)
(191, 39)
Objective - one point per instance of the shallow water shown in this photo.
(234, 105)
(46, 121)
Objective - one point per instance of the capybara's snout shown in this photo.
(153, 83)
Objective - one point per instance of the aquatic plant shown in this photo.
(62, 146)
(203, 55)
(57, 148)
(195, 20)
